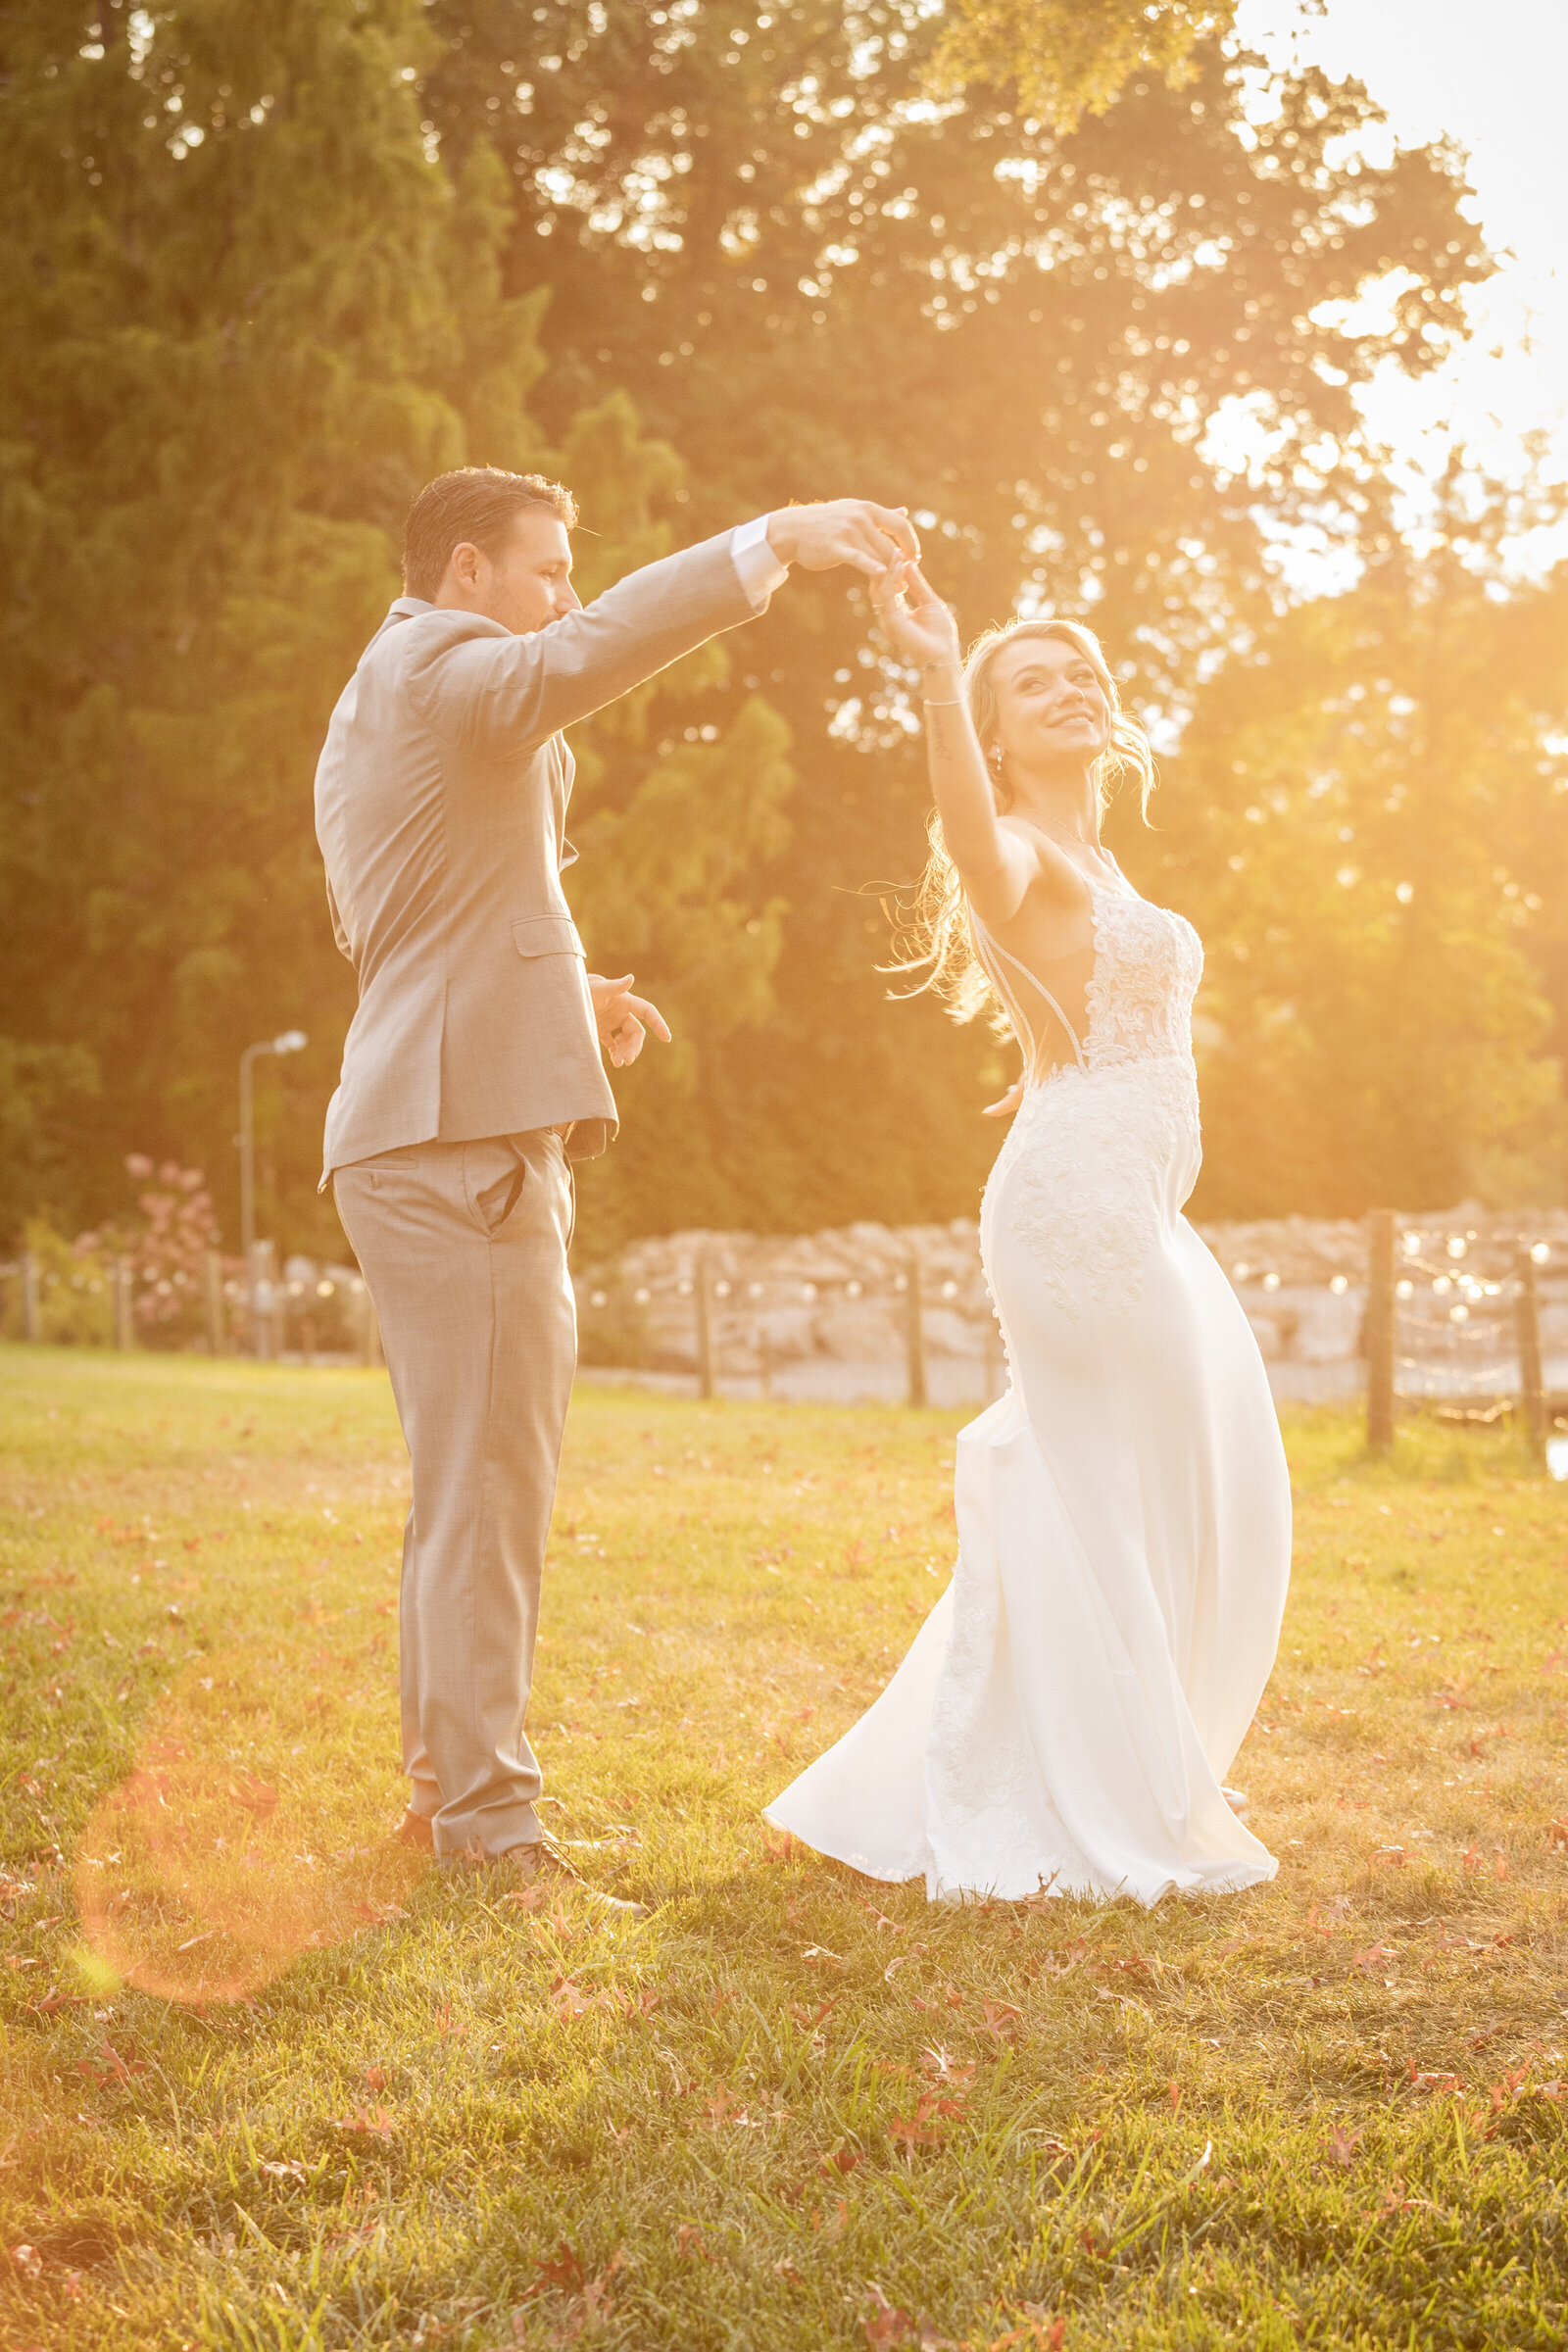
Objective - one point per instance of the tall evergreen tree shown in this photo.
(247, 312)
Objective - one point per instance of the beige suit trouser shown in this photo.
(464, 1247)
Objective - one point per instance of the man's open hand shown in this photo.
(623, 1019)
(844, 531)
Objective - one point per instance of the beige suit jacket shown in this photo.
(440, 808)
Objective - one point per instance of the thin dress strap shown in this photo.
(988, 948)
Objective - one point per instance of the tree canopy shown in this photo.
(273, 262)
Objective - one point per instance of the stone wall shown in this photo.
(828, 1314)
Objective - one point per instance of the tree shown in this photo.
(813, 278)
(1369, 824)
(1068, 55)
(246, 315)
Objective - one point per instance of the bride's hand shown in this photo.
(1010, 1102)
(913, 617)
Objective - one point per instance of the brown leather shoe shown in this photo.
(416, 1829)
(541, 1863)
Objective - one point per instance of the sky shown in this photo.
(1492, 75)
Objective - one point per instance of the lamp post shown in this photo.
(291, 1041)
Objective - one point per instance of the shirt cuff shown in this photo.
(759, 568)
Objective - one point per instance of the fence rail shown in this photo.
(306, 1311)
(1416, 1314)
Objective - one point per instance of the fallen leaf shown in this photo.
(563, 2271)
(720, 2107)
(915, 2131)
(257, 1796)
(374, 2123)
(1343, 2146)
(887, 2324)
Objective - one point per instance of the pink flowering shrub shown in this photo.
(167, 1245)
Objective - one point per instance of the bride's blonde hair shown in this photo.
(931, 930)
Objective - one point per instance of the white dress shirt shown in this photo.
(759, 568)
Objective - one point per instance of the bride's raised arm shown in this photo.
(995, 864)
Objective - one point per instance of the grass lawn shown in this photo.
(268, 2086)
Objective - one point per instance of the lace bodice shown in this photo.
(1148, 964)
(1105, 1146)
(1138, 998)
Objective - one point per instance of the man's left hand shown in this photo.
(623, 1019)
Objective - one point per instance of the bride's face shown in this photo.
(1050, 704)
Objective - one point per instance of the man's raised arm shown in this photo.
(492, 690)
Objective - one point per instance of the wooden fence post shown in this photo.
(267, 1333)
(213, 1293)
(705, 1327)
(1526, 1324)
(1380, 1332)
(124, 1311)
(29, 1295)
(914, 1328)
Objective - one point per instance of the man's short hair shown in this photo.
(474, 505)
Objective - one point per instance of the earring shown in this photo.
(995, 757)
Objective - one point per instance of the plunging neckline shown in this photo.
(991, 951)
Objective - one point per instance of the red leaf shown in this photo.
(914, 2132)
(721, 2107)
(1343, 2146)
(562, 2272)
(373, 2123)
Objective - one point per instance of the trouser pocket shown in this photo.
(496, 1199)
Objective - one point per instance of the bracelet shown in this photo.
(956, 704)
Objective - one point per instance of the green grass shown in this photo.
(792, 2109)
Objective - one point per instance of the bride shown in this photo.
(1070, 1707)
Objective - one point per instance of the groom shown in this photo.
(471, 1072)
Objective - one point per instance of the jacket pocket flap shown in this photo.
(546, 935)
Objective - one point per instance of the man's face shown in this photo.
(526, 585)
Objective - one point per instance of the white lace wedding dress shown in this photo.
(1070, 1707)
